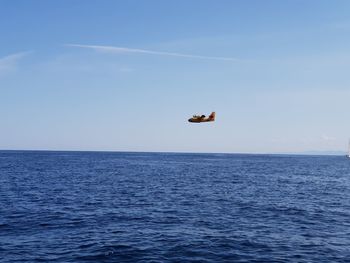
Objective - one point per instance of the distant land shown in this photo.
(321, 153)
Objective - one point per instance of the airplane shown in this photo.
(202, 118)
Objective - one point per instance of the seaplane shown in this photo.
(202, 118)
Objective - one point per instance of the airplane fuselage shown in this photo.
(199, 120)
(202, 118)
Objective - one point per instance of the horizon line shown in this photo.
(302, 153)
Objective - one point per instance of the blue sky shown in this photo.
(126, 75)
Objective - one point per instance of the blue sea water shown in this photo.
(167, 207)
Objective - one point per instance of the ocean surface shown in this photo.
(169, 207)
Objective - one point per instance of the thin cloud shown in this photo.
(120, 50)
(328, 138)
(10, 62)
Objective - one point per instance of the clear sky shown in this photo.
(126, 75)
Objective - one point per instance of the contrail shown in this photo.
(9, 62)
(111, 49)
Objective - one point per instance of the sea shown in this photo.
(173, 207)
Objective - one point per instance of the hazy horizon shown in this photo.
(311, 153)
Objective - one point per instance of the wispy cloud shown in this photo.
(120, 50)
(328, 138)
(10, 62)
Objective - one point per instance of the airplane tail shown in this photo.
(212, 116)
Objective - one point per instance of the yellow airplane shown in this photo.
(202, 118)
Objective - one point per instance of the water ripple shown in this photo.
(154, 207)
